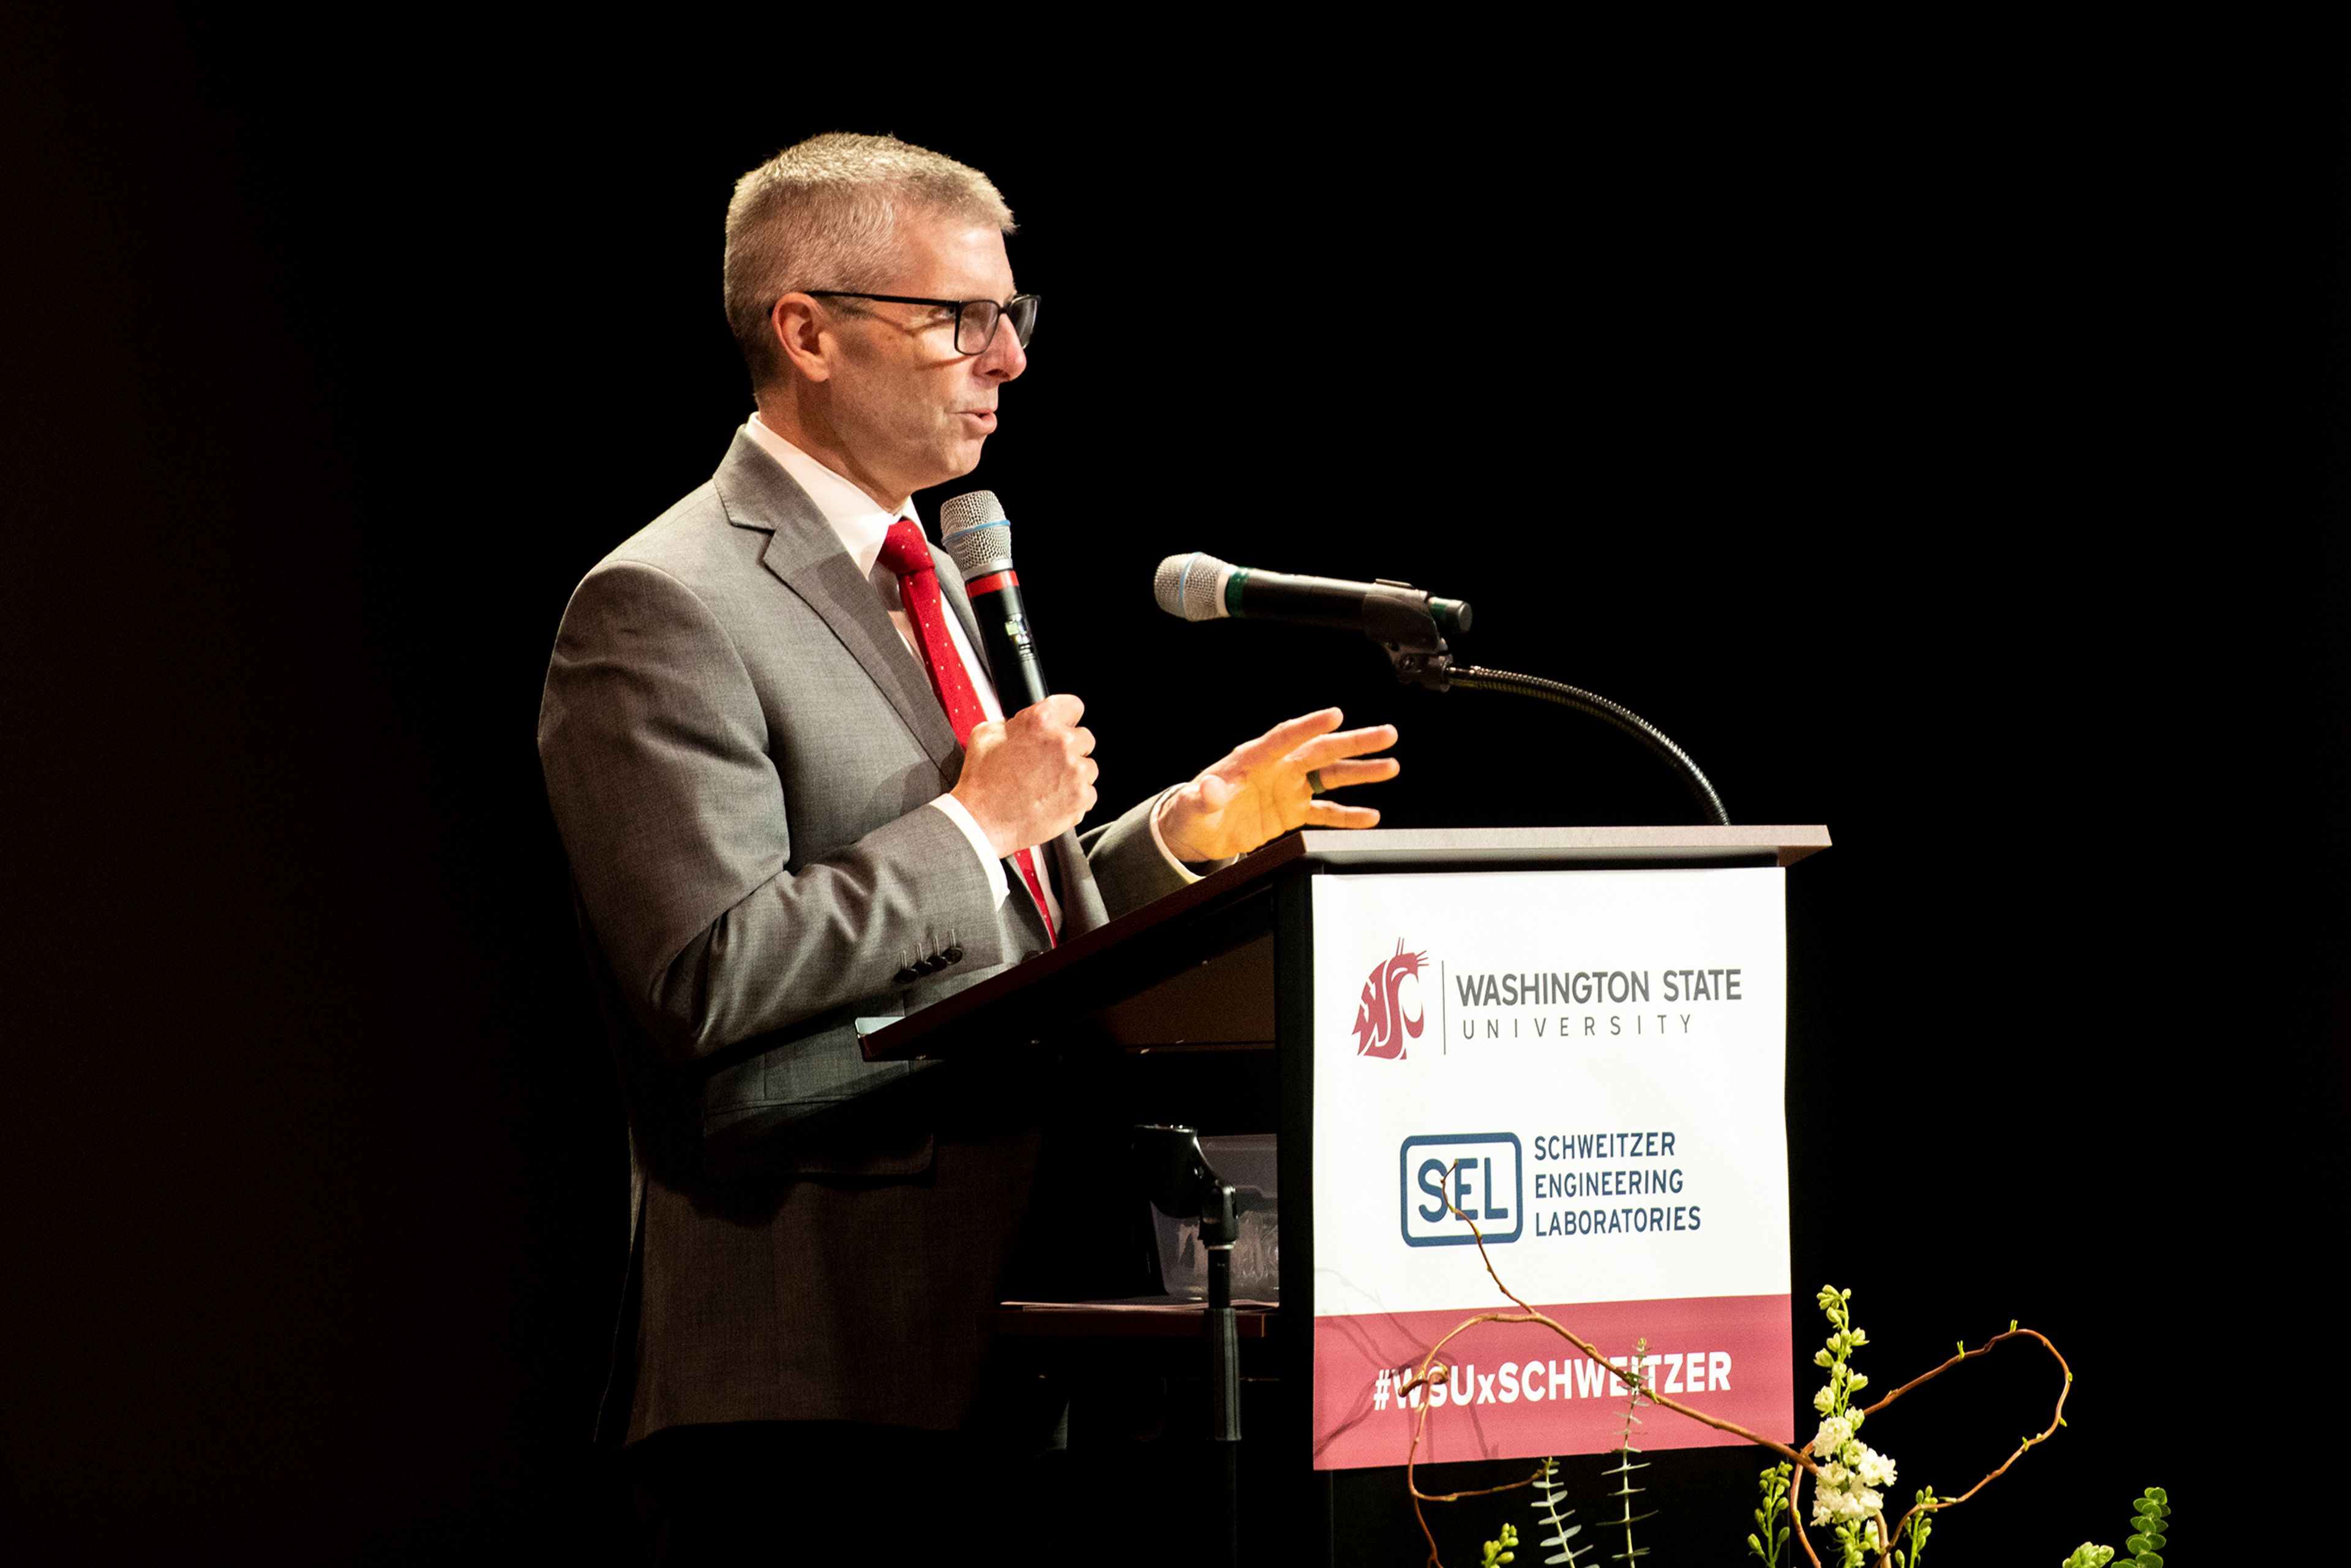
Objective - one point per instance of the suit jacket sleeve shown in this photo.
(656, 753)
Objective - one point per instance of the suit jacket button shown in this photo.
(929, 965)
(906, 977)
(953, 955)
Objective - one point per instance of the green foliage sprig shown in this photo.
(2148, 1511)
(1549, 1494)
(1636, 1375)
(1917, 1524)
(2145, 1543)
(1772, 1536)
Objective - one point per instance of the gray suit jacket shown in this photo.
(740, 752)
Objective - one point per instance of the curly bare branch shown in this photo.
(2056, 1419)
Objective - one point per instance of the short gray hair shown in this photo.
(822, 214)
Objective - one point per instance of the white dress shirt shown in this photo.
(862, 526)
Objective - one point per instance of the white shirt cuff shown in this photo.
(954, 812)
(1167, 855)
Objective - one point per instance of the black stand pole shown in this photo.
(1218, 1229)
(1178, 1179)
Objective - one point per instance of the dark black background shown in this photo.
(1939, 432)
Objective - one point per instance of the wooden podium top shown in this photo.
(1406, 846)
(1062, 982)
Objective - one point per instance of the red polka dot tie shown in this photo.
(907, 553)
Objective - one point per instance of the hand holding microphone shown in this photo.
(1028, 778)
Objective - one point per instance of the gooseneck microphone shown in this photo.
(972, 530)
(1199, 587)
(1411, 626)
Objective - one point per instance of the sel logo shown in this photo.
(1382, 1025)
(1478, 1173)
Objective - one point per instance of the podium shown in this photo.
(1445, 1026)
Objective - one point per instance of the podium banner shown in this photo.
(1589, 1066)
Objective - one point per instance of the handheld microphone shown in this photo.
(972, 530)
(1199, 587)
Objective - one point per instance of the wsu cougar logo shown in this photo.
(1381, 1024)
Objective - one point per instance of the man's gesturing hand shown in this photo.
(1260, 791)
(1030, 778)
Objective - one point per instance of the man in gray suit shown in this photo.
(750, 740)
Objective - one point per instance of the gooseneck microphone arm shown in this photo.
(1404, 621)
(1477, 678)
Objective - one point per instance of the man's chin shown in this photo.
(951, 461)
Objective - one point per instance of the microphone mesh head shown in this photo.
(972, 509)
(1191, 586)
(973, 530)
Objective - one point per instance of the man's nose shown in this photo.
(1003, 359)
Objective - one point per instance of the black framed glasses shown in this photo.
(976, 319)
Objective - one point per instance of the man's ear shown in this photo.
(797, 322)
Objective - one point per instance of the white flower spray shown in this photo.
(1846, 1493)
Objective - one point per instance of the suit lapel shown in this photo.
(805, 555)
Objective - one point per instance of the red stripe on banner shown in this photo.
(1524, 1391)
(995, 582)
